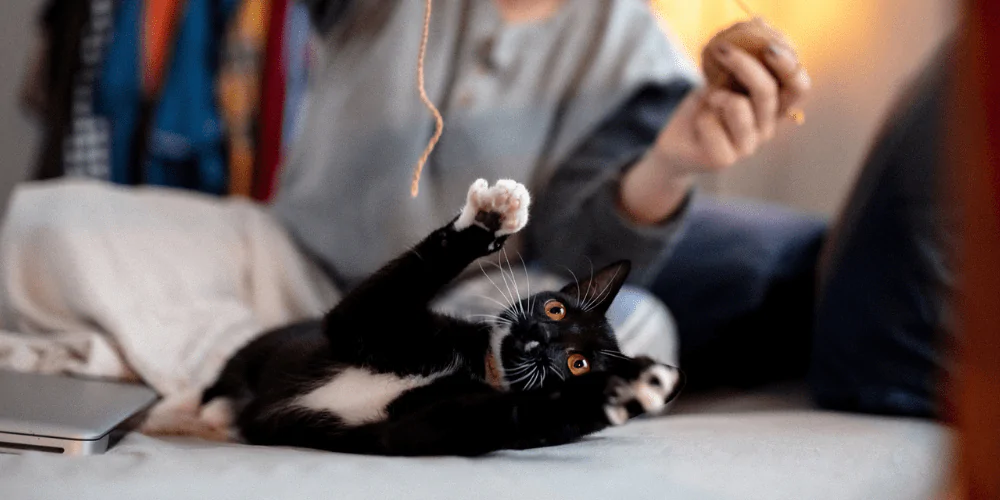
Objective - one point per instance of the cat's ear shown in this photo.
(596, 293)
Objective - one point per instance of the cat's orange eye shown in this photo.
(555, 310)
(578, 364)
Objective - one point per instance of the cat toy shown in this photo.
(754, 37)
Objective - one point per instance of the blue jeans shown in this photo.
(740, 285)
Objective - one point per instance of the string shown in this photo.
(796, 114)
(744, 7)
(438, 120)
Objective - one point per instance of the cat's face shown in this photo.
(553, 336)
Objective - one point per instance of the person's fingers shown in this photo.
(761, 84)
(714, 141)
(792, 77)
(738, 118)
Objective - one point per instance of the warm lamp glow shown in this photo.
(825, 32)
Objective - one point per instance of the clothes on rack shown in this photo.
(299, 57)
(181, 93)
(239, 89)
(86, 146)
(272, 103)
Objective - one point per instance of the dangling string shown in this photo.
(744, 7)
(796, 114)
(438, 120)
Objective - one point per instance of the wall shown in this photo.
(860, 53)
(18, 136)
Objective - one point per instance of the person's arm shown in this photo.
(621, 195)
(579, 218)
(715, 128)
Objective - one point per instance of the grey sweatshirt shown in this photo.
(563, 105)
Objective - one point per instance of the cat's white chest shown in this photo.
(359, 396)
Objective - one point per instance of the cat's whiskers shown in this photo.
(520, 376)
(557, 371)
(613, 354)
(578, 303)
(517, 369)
(495, 301)
(589, 282)
(527, 279)
(520, 302)
(524, 377)
(506, 284)
(495, 286)
(600, 296)
(496, 319)
(531, 382)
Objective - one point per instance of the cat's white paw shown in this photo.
(508, 199)
(652, 390)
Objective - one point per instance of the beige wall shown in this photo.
(18, 135)
(813, 166)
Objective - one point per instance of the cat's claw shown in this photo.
(502, 208)
(656, 386)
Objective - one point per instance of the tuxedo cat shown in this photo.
(383, 374)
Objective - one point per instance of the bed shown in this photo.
(768, 444)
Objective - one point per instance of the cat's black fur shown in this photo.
(385, 326)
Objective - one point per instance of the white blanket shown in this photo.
(156, 284)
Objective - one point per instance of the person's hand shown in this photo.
(714, 128)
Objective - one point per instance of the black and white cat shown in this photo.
(383, 374)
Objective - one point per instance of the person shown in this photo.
(589, 103)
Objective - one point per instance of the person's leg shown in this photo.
(740, 284)
(887, 272)
(642, 323)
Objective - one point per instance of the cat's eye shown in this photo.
(555, 310)
(578, 364)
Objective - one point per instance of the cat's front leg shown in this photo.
(500, 210)
(591, 402)
(411, 281)
(644, 387)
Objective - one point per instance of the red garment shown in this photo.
(272, 107)
(160, 21)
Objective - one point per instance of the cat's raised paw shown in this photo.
(655, 386)
(501, 209)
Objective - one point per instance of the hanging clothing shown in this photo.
(86, 146)
(159, 26)
(239, 90)
(173, 137)
(272, 104)
(298, 57)
(62, 24)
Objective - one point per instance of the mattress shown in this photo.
(765, 445)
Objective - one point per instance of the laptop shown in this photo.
(67, 415)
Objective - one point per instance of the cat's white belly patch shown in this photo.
(358, 396)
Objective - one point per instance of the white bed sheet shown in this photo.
(785, 454)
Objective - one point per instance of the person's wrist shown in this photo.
(654, 188)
